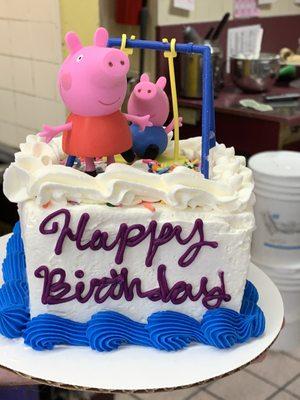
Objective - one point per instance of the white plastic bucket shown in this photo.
(289, 285)
(276, 240)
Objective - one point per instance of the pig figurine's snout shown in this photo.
(115, 64)
(145, 91)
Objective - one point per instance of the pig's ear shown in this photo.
(73, 42)
(101, 37)
(161, 82)
(144, 77)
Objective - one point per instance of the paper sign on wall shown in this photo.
(188, 5)
(244, 41)
(245, 8)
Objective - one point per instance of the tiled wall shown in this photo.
(30, 54)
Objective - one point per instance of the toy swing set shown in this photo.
(93, 85)
(170, 52)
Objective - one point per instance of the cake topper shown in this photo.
(93, 82)
(148, 98)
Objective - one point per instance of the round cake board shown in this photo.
(140, 369)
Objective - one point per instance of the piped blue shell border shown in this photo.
(108, 330)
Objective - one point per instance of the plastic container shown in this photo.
(289, 287)
(276, 240)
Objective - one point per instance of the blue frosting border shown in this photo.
(107, 330)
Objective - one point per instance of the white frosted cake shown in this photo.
(106, 253)
(145, 248)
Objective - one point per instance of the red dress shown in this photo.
(105, 135)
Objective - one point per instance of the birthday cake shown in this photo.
(107, 253)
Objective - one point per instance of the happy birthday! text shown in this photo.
(127, 236)
(59, 287)
(57, 290)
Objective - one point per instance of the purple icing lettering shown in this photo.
(127, 236)
(80, 231)
(53, 285)
(217, 293)
(166, 234)
(56, 289)
(130, 241)
(79, 274)
(177, 289)
(65, 231)
(191, 253)
(163, 283)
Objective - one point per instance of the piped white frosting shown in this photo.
(38, 173)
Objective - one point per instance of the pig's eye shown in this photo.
(79, 58)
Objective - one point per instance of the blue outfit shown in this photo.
(152, 135)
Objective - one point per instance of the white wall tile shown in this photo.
(33, 112)
(8, 134)
(4, 8)
(50, 112)
(13, 135)
(44, 10)
(21, 44)
(45, 79)
(26, 111)
(21, 134)
(7, 106)
(29, 32)
(22, 75)
(6, 80)
(45, 42)
(5, 37)
(14, 9)
(33, 10)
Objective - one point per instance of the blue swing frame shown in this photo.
(208, 112)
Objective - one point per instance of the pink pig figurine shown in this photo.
(92, 83)
(149, 98)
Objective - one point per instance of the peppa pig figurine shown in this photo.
(149, 98)
(92, 83)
